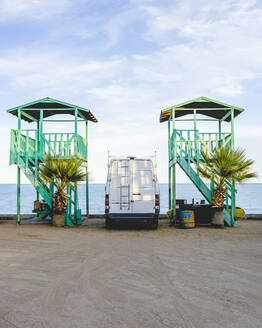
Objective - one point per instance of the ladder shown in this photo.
(123, 171)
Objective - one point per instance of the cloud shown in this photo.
(54, 71)
(32, 9)
(189, 49)
(212, 47)
(203, 19)
(116, 25)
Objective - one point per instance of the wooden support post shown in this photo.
(75, 151)
(174, 171)
(68, 207)
(76, 114)
(196, 152)
(219, 128)
(195, 119)
(75, 142)
(87, 187)
(75, 202)
(174, 192)
(169, 169)
(18, 218)
(219, 133)
(37, 139)
(233, 191)
(42, 145)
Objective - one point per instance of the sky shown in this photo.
(127, 60)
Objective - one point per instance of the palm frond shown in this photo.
(243, 176)
(226, 164)
(62, 172)
(204, 173)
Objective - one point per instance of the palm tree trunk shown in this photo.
(60, 201)
(219, 196)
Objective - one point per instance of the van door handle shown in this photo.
(137, 194)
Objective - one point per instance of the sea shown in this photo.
(249, 197)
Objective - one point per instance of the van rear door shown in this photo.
(120, 187)
(143, 191)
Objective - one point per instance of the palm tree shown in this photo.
(62, 173)
(225, 165)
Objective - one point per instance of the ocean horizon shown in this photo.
(249, 197)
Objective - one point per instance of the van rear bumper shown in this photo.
(136, 216)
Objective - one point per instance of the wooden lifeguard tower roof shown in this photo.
(203, 105)
(31, 111)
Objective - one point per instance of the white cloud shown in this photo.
(208, 46)
(54, 71)
(203, 19)
(36, 9)
(212, 49)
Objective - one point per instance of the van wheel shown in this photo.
(154, 225)
(109, 224)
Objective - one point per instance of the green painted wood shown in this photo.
(82, 116)
(225, 116)
(233, 194)
(28, 116)
(76, 112)
(227, 106)
(18, 219)
(75, 201)
(19, 173)
(64, 145)
(169, 173)
(28, 148)
(23, 150)
(174, 173)
(87, 183)
(184, 149)
(68, 107)
(42, 150)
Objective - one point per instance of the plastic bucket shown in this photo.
(187, 219)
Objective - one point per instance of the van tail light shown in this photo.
(156, 200)
(107, 200)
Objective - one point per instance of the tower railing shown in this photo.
(191, 142)
(63, 145)
(23, 143)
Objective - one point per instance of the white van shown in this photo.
(132, 191)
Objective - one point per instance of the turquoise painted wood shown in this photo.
(185, 149)
(26, 154)
(28, 147)
(184, 146)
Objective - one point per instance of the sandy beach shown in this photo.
(91, 277)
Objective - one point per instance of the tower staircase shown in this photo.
(28, 151)
(185, 149)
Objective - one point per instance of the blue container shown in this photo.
(187, 219)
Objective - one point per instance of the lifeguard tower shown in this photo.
(184, 146)
(29, 146)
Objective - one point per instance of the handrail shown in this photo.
(62, 145)
(21, 144)
(26, 150)
(186, 145)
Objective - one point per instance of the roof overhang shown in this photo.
(31, 112)
(202, 105)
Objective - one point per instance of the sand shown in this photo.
(91, 277)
